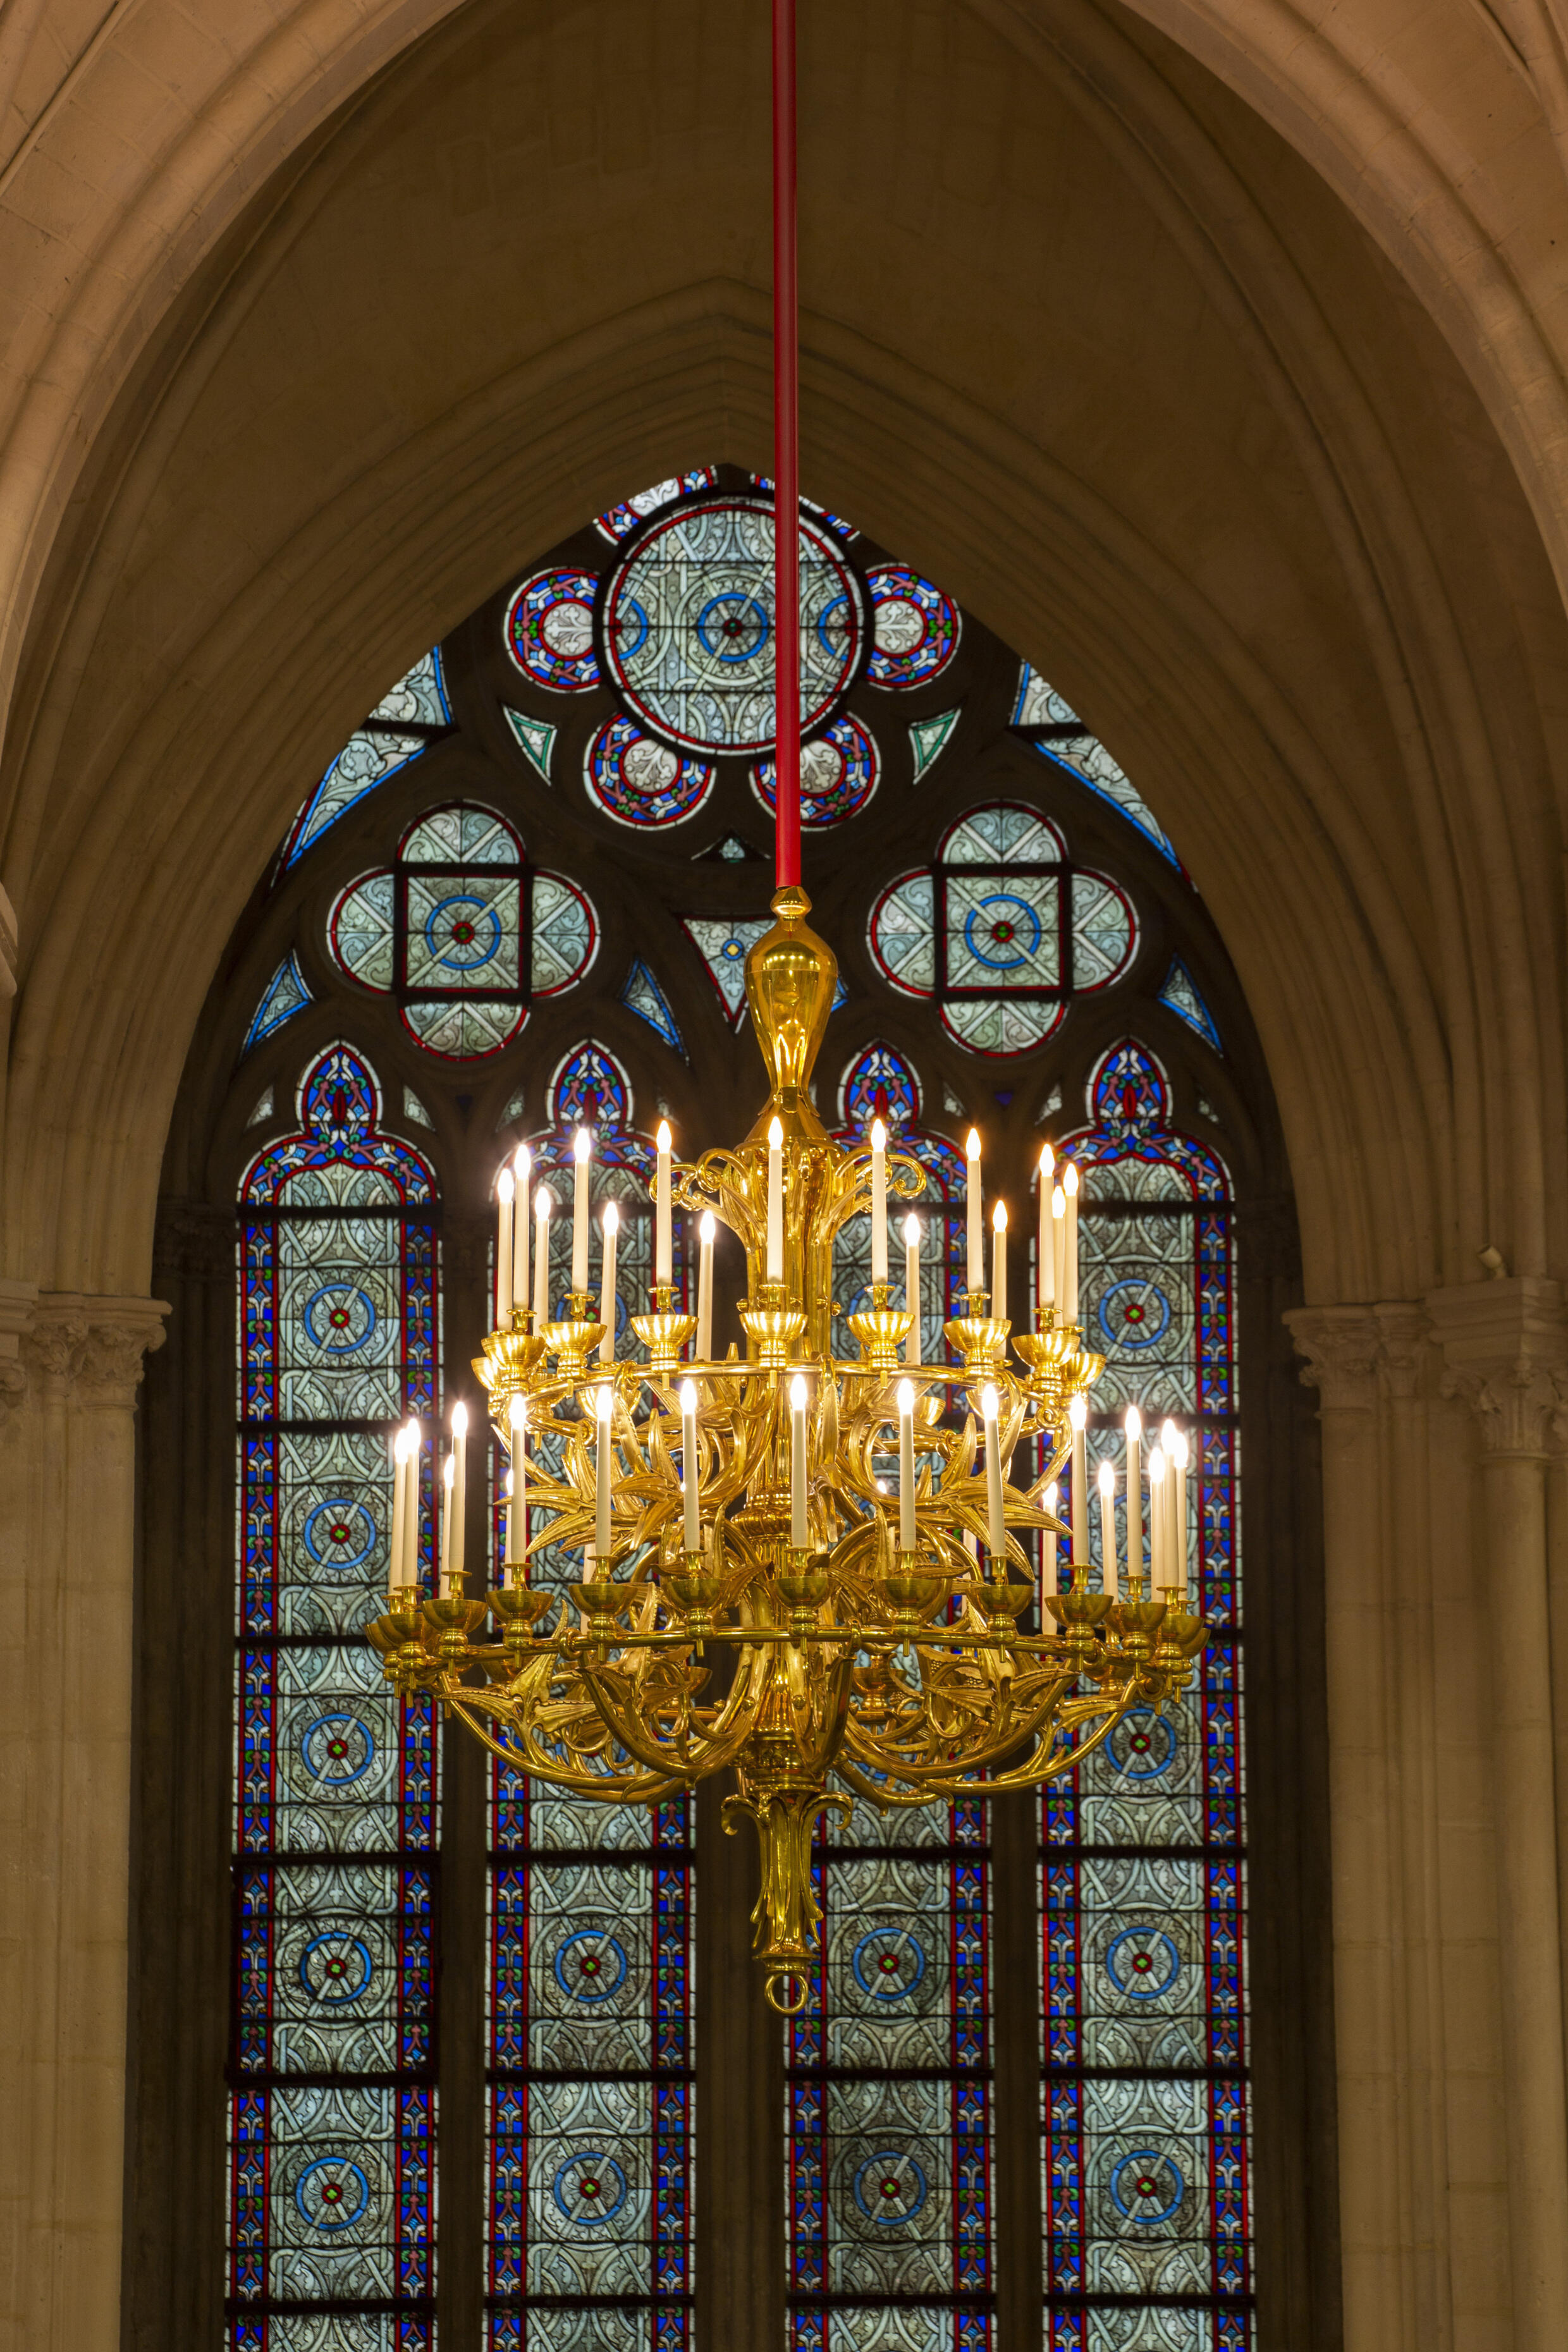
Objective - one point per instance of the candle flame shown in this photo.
(798, 1393)
(460, 1421)
(689, 1399)
(544, 1202)
(906, 1400)
(971, 1144)
(911, 1233)
(1106, 1480)
(522, 1160)
(878, 1136)
(1156, 1464)
(1168, 1434)
(1047, 1160)
(775, 1134)
(662, 1138)
(505, 1186)
(402, 1446)
(1077, 1412)
(612, 1217)
(706, 1229)
(582, 1145)
(1069, 1178)
(1058, 1203)
(449, 1473)
(988, 1404)
(1133, 1423)
(999, 1217)
(519, 1413)
(604, 1400)
(1053, 1494)
(1177, 1450)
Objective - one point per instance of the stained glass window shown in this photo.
(1001, 929)
(838, 773)
(412, 715)
(590, 2020)
(463, 932)
(332, 2113)
(881, 1083)
(285, 994)
(1059, 733)
(1145, 2103)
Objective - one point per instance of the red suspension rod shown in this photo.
(787, 454)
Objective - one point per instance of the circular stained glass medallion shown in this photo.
(889, 2187)
(591, 1964)
(332, 2192)
(888, 1963)
(640, 782)
(1143, 1746)
(686, 626)
(837, 775)
(1147, 2186)
(1142, 1962)
(339, 1317)
(914, 627)
(589, 2187)
(339, 1535)
(338, 1750)
(548, 630)
(336, 1966)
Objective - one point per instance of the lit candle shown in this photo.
(705, 1231)
(912, 1288)
(1058, 1248)
(1050, 1546)
(797, 1396)
(973, 1200)
(505, 1188)
(906, 1466)
(460, 1491)
(1046, 1271)
(1133, 1425)
(604, 1405)
(449, 1474)
(1107, 1528)
(516, 1491)
(523, 1161)
(543, 1203)
(996, 1531)
(409, 1571)
(663, 1248)
(1077, 1415)
(999, 1261)
(1070, 1246)
(582, 1151)
(690, 1496)
(878, 1202)
(1176, 1447)
(399, 1514)
(775, 1201)
(611, 1227)
(1159, 1577)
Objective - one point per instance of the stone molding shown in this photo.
(1505, 1355)
(90, 1350)
(1342, 1346)
(8, 952)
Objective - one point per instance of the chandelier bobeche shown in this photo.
(734, 1503)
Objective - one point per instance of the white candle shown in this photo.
(409, 1569)
(912, 1288)
(1077, 1415)
(1058, 1248)
(505, 1188)
(603, 1405)
(523, 1161)
(996, 1531)
(1070, 1246)
(906, 1466)
(690, 1493)
(974, 1197)
(1181, 1455)
(582, 1151)
(797, 1397)
(878, 1202)
(663, 1246)
(542, 1204)
(1133, 1426)
(1107, 1528)
(1050, 1545)
(999, 1261)
(611, 1226)
(705, 1231)
(449, 1475)
(775, 1203)
(460, 1491)
(516, 1491)
(1046, 1271)
(1159, 1576)
(399, 1513)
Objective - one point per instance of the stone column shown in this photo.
(67, 1388)
(1507, 1352)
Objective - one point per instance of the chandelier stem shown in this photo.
(787, 454)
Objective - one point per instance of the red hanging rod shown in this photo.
(786, 456)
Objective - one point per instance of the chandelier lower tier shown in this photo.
(754, 1598)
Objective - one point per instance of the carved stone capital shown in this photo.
(88, 1350)
(17, 1301)
(1505, 1354)
(1340, 1345)
(1404, 1339)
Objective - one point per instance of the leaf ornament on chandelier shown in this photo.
(730, 1510)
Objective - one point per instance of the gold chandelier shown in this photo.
(731, 1512)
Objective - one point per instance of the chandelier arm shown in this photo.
(634, 1790)
(712, 1757)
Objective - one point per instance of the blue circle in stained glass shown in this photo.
(1134, 1312)
(341, 1535)
(338, 1750)
(1002, 932)
(591, 1964)
(336, 1966)
(590, 2189)
(1147, 2186)
(732, 627)
(462, 932)
(339, 1317)
(890, 2188)
(1142, 1962)
(331, 2193)
(1143, 1745)
(888, 1963)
